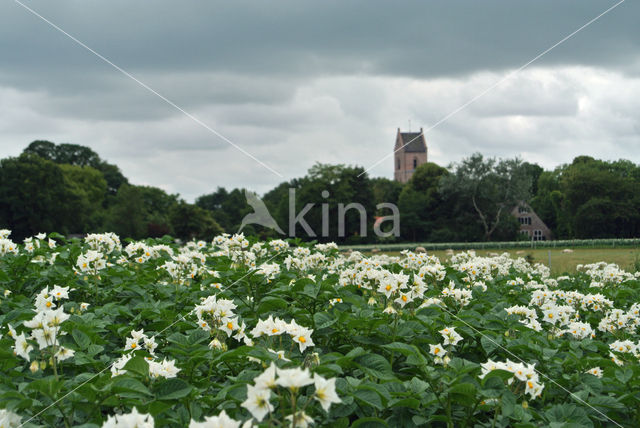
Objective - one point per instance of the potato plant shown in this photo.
(234, 332)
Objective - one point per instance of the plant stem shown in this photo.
(495, 417)
(293, 409)
(395, 332)
(449, 418)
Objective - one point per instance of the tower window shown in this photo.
(415, 163)
(398, 163)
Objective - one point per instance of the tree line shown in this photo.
(68, 188)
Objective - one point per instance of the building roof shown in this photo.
(416, 141)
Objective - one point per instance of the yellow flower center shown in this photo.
(388, 287)
(48, 304)
(230, 326)
(302, 339)
(404, 298)
(275, 330)
(133, 346)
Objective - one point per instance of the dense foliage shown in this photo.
(590, 198)
(68, 188)
(95, 333)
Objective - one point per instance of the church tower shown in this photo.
(410, 152)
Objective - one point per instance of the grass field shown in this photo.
(560, 263)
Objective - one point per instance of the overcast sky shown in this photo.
(298, 82)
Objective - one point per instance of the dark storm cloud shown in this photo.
(415, 38)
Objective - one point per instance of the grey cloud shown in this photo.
(113, 96)
(296, 82)
(418, 39)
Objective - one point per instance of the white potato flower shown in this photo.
(293, 379)
(299, 419)
(325, 391)
(595, 371)
(257, 402)
(9, 419)
(220, 421)
(129, 420)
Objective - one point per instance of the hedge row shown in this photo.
(573, 243)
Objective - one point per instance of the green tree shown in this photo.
(227, 208)
(327, 187)
(87, 190)
(157, 205)
(127, 213)
(277, 202)
(534, 171)
(385, 190)
(422, 209)
(75, 154)
(601, 198)
(33, 196)
(548, 203)
(112, 175)
(492, 186)
(192, 222)
(44, 149)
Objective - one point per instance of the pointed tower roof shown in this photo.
(415, 140)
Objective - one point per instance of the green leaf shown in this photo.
(323, 320)
(605, 401)
(172, 389)
(502, 374)
(417, 385)
(370, 422)
(138, 365)
(489, 344)
(467, 390)
(411, 403)
(124, 384)
(375, 366)
(623, 375)
(270, 303)
(198, 336)
(368, 396)
(508, 403)
(178, 339)
(400, 347)
(81, 338)
(311, 290)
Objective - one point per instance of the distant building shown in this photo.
(530, 224)
(410, 152)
